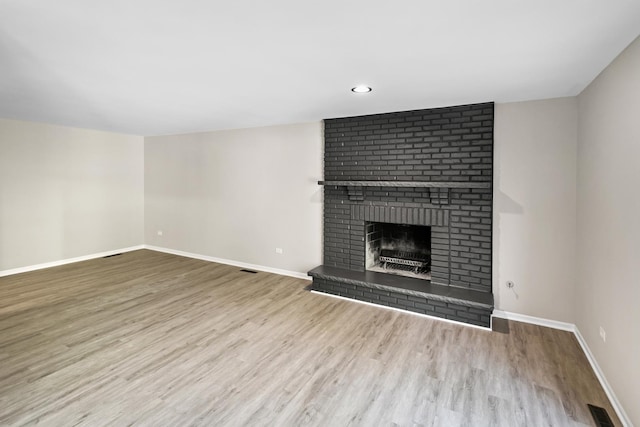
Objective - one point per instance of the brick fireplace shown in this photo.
(414, 173)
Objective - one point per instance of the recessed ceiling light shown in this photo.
(361, 89)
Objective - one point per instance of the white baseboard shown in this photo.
(534, 320)
(26, 269)
(624, 418)
(230, 262)
(626, 422)
(442, 319)
(67, 261)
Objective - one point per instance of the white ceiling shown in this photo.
(152, 67)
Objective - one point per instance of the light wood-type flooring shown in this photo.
(152, 339)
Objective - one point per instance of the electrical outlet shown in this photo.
(603, 334)
(279, 251)
(159, 232)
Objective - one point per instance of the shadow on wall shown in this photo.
(502, 204)
(505, 204)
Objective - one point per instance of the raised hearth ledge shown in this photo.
(406, 285)
(413, 184)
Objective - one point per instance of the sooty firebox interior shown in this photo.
(399, 249)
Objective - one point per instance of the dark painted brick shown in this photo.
(452, 143)
(416, 304)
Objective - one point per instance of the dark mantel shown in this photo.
(412, 184)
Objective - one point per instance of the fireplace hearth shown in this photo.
(408, 211)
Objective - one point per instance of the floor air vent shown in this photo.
(244, 270)
(600, 416)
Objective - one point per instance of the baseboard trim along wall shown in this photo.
(603, 380)
(67, 261)
(229, 262)
(570, 327)
(534, 320)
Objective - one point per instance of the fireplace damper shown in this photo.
(399, 249)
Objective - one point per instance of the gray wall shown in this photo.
(608, 286)
(535, 208)
(238, 195)
(67, 192)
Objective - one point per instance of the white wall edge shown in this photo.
(266, 269)
(441, 319)
(67, 261)
(570, 327)
(603, 380)
(534, 320)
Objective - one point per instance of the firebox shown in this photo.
(400, 249)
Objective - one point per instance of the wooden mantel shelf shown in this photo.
(412, 184)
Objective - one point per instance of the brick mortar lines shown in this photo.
(445, 144)
(448, 143)
(422, 305)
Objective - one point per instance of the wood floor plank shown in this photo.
(146, 338)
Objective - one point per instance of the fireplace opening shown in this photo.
(399, 249)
